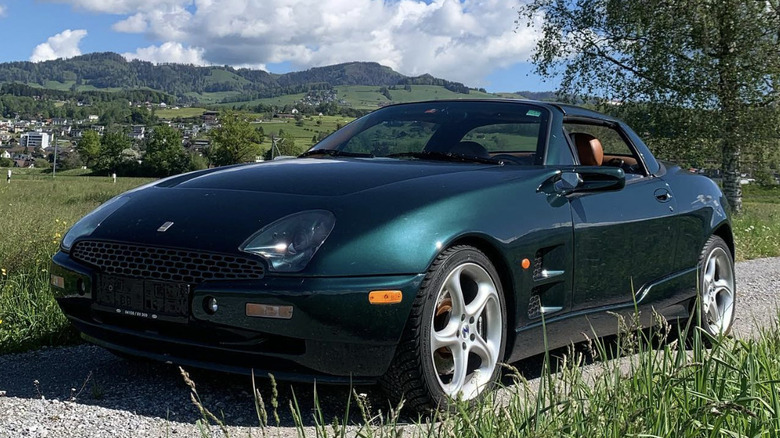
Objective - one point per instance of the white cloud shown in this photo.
(463, 40)
(132, 24)
(169, 52)
(2, 10)
(63, 45)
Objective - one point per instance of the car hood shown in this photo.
(217, 210)
(318, 177)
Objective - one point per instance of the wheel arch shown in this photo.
(506, 277)
(723, 230)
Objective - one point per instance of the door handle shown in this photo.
(662, 195)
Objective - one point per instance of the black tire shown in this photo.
(419, 374)
(717, 288)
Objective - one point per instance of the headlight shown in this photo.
(290, 243)
(90, 222)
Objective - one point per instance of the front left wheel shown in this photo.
(456, 335)
(717, 288)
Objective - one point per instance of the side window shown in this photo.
(616, 152)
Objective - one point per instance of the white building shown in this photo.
(37, 140)
(138, 132)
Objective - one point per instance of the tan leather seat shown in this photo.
(588, 148)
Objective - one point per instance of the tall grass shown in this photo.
(757, 228)
(632, 388)
(35, 211)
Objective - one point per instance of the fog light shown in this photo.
(210, 305)
(81, 287)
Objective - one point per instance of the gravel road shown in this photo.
(84, 391)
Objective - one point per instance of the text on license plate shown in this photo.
(146, 296)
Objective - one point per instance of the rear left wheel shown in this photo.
(455, 339)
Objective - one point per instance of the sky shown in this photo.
(477, 42)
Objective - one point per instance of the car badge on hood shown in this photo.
(164, 227)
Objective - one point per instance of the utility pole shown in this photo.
(54, 167)
(274, 146)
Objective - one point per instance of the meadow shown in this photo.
(35, 211)
(363, 97)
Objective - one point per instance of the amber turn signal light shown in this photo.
(385, 297)
(526, 263)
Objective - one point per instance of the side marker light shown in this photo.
(385, 297)
(57, 281)
(526, 264)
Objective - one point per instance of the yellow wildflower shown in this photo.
(3, 272)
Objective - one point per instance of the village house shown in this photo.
(210, 117)
(138, 132)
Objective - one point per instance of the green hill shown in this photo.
(204, 85)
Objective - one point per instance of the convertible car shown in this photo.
(419, 247)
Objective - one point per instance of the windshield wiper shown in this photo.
(334, 153)
(442, 156)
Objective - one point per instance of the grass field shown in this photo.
(35, 211)
(181, 113)
(305, 130)
(757, 230)
(368, 97)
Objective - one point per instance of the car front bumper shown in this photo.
(333, 333)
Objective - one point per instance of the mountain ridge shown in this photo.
(108, 71)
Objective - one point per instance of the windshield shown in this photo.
(509, 132)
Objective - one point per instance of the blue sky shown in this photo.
(472, 41)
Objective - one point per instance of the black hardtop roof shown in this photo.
(567, 110)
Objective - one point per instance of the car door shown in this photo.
(623, 240)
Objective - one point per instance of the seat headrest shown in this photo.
(588, 148)
(470, 148)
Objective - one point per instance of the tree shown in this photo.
(165, 154)
(112, 146)
(715, 63)
(234, 141)
(89, 147)
(286, 144)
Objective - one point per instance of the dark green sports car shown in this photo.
(420, 246)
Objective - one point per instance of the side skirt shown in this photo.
(669, 297)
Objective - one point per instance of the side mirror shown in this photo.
(589, 179)
(568, 183)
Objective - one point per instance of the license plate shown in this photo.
(143, 297)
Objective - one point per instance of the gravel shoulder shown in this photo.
(85, 391)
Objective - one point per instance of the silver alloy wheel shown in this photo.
(717, 291)
(466, 331)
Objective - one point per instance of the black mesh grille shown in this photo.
(538, 264)
(534, 307)
(150, 262)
